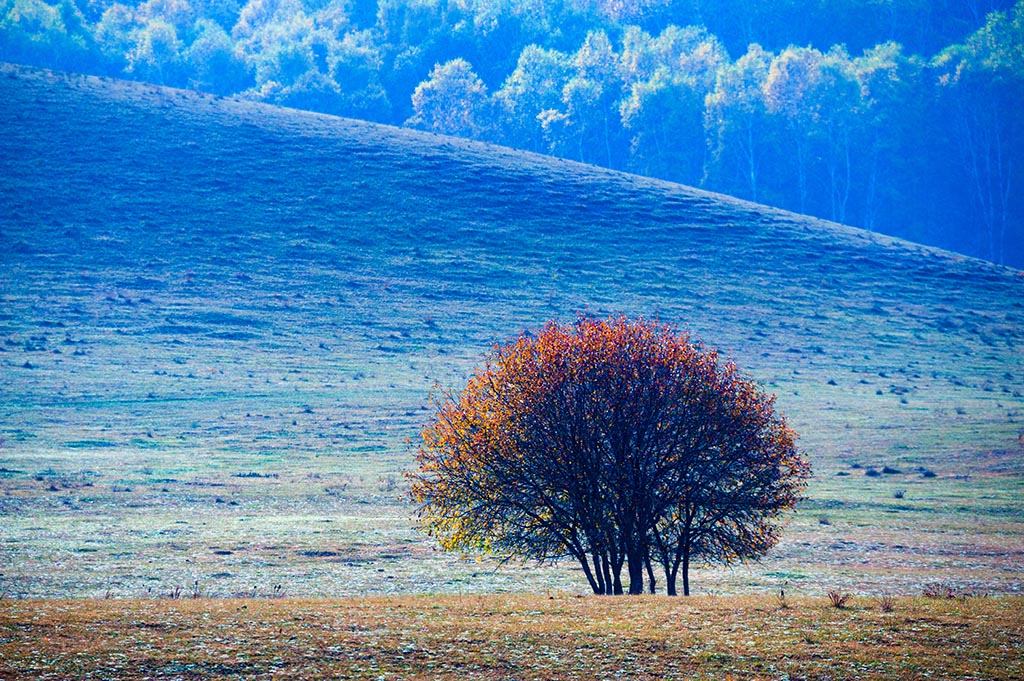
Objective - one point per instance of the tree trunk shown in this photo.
(666, 563)
(650, 574)
(602, 585)
(686, 573)
(869, 201)
(636, 572)
(751, 164)
(594, 584)
(801, 173)
(671, 575)
(607, 142)
(607, 569)
(618, 558)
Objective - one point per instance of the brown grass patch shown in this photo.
(499, 637)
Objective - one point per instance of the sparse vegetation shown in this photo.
(939, 590)
(558, 636)
(838, 599)
(304, 231)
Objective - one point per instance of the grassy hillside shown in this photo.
(220, 321)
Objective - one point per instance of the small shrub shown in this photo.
(926, 473)
(887, 603)
(838, 600)
(899, 494)
(823, 520)
(939, 590)
(889, 470)
(872, 473)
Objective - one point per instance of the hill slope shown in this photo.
(220, 322)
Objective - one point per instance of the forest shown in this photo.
(899, 116)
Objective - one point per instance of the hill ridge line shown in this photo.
(424, 143)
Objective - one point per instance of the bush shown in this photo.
(839, 600)
(939, 590)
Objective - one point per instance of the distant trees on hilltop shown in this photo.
(900, 116)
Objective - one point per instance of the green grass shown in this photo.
(196, 289)
(523, 637)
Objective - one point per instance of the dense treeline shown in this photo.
(901, 116)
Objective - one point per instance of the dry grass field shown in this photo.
(514, 637)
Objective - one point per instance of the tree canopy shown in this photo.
(616, 443)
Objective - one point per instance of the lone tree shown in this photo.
(616, 443)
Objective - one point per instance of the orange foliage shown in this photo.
(614, 442)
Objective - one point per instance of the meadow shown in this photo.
(220, 323)
(515, 637)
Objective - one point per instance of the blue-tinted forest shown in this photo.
(901, 116)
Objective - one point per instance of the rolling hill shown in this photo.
(220, 322)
